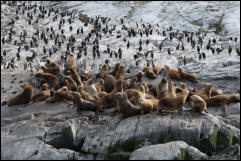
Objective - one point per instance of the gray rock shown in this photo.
(67, 134)
(24, 148)
(169, 151)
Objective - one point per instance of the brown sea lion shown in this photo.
(139, 77)
(108, 100)
(70, 83)
(43, 94)
(206, 91)
(71, 63)
(187, 76)
(222, 101)
(51, 79)
(75, 75)
(100, 85)
(115, 70)
(198, 104)
(173, 103)
(126, 108)
(215, 92)
(149, 72)
(157, 69)
(162, 88)
(83, 104)
(121, 73)
(51, 70)
(109, 82)
(25, 97)
(50, 64)
(173, 74)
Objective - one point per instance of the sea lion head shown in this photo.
(164, 80)
(48, 61)
(37, 75)
(44, 86)
(139, 74)
(104, 67)
(167, 67)
(102, 81)
(180, 70)
(121, 96)
(234, 98)
(43, 68)
(26, 85)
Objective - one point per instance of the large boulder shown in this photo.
(25, 148)
(176, 150)
(205, 132)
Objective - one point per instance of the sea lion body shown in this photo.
(198, 104)
(187, 76)
(173, 74)
(126, 108)
(173, 103)
(23, 98)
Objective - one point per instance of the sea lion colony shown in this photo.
(106, 88)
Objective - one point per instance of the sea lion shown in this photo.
(135, 95)
(153, 91)
(148, 105)
(50, 63)
(89, 87)
(157, 69)
(139, 76)
(149, 72)
(83, 104)
(173, 74)
(51, 70)
(61, 94)
(126, 108)
(222, 101)
(51, 79)
(173, 103)
(179, 89)
(162, 88)
(121, 73)
(171, 92)
(71, 63)
(109, 83)
(25, 97)
(215, 92)
(126, 84)
(187, 76)
(43, 94)
(70, 83)
(115, 70)
(75, 75)
(108, 100)
(103, 71)
(198, 104)
(100, 86)
(206, 91)
(87, 96)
